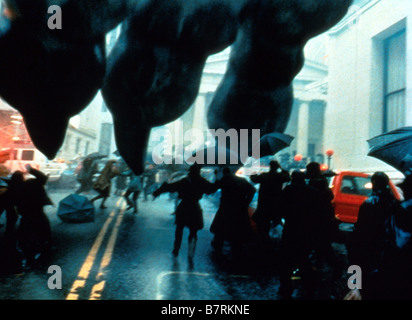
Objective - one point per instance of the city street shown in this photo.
(309, 101)
(126, 256)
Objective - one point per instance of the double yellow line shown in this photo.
(87, 266)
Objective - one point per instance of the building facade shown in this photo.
(369, 81)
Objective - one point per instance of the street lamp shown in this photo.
(298, 158)
(329, 154)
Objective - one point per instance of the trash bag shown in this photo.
(76, 209)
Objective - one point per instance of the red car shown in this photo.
(351, 189)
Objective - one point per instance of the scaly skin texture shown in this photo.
(153, 73)
(257, 91)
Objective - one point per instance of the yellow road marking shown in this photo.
(84, 272)
(107, 257)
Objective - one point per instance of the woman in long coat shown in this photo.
(29, 197)
(188, 213)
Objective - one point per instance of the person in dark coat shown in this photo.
(188, 213)
(271, 185)
(104, 182)
(133, 188)
(85, 175)
(7, 206)
(324, 222)
(231, 222)
(10, 257)
(299, 202)
(149, 181)
(381, 243)
(29, 197)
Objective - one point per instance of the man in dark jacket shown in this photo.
(368, 236)
(324, 222)
(231, 222)
(299, 202)
(30, 197)
(271, 185)
(188, 213)
(382, 243)
(10, 257)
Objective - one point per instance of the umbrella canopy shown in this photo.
(176, 176)
(393, 148)
(216, 157)
(76, 209)
(272, 143)
(95, 156)
(329, 173)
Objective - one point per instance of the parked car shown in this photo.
(351, 189)
(17, 159)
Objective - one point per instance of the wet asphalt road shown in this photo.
(126, 256)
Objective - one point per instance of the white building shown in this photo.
(369, 81)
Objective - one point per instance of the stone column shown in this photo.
(303, 129)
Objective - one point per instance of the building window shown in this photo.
(86, 148)
(311, 150)
(68, 141)
(105, 138)
(394, 81)
(77, 149)
(27, 155)
(104, 107)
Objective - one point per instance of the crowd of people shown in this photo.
(305, 208)
(299, 201)
(25, 198)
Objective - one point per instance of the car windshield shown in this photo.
(356, 185)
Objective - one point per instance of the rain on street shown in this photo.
(126, 256)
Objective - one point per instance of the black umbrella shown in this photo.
(76, 208)
(329, 173)
(95, 156)
(393, 148)
(272, 143)
(216, 157)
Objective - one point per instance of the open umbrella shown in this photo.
(393, 148)
(76, 209)
(216, 156)
(272, 143)
(95, 156)
(329, 173)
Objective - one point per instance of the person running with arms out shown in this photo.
(188, 213)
